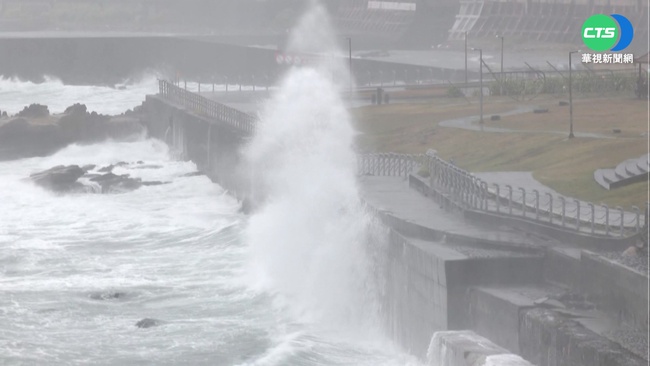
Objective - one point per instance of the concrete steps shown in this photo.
(632, 168)
(599, 176)
(610, 176)
(628, 172)
(643, 165)
(621, 170)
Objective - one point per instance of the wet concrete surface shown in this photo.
(394, 196)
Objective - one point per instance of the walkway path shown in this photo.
(574, 208)
(472, 123)
(394, 196)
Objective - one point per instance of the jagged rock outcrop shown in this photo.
(21, 137)
(67, 179)
(60, 178)
(34, 111)
(148, 323)
(107, 295)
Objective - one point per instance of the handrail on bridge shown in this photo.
(457, 187)
(207, 107)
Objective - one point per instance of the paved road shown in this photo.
(453, 59)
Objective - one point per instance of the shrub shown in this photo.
(454, 92)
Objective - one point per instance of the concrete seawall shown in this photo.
(537, 302)
(99, 58)
(214, 147)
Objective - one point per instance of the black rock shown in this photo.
(154, 183)
(34, 111)
(107, 295)
(59, 179)
(105, 178)
(148, 323)
(76, 108)
(147, 166)
(19, 138)
(107, 169)
(112, 183)
(88, 167)
(192, 174)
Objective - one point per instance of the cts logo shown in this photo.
(602, 32)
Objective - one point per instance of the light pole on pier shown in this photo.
(501, 55)
(480, 52)
(571, 98)
(465, 58)
(501, 74)
(350, 62)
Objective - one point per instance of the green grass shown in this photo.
(565, 165)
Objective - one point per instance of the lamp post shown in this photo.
(465, 58)
(480, 52)
(501, 54)
(501, 74)
(350, 61)
(571, 98)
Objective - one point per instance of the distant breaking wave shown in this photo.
(15, 94)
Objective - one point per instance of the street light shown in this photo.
(501, 54)
(501, 75)
(465, 58)
(350, 60)
(571, 97)
(480, 51)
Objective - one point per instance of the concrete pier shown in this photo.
(549, 301)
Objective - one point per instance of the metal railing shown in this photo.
(465, 191)
(206, 107)
(389, 164)
(454, 185)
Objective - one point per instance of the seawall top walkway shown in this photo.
(466, 191)
(393, 196)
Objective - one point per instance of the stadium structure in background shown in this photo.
(378, 24)
(431, 22)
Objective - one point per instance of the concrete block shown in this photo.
(548, 338)
(494, 313)
(442, 274)
(466, 348)
(620, 292)
(561, 267)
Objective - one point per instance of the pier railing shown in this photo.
(462, 190)
(389, 164)
(452, 185)
(207, 107)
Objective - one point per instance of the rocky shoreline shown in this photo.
(35, 132)
(91, 179)
(76, 179)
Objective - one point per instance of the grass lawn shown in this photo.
(597, 115)
(566, 166)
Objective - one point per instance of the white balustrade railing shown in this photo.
(467, 191)
(459, 187)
